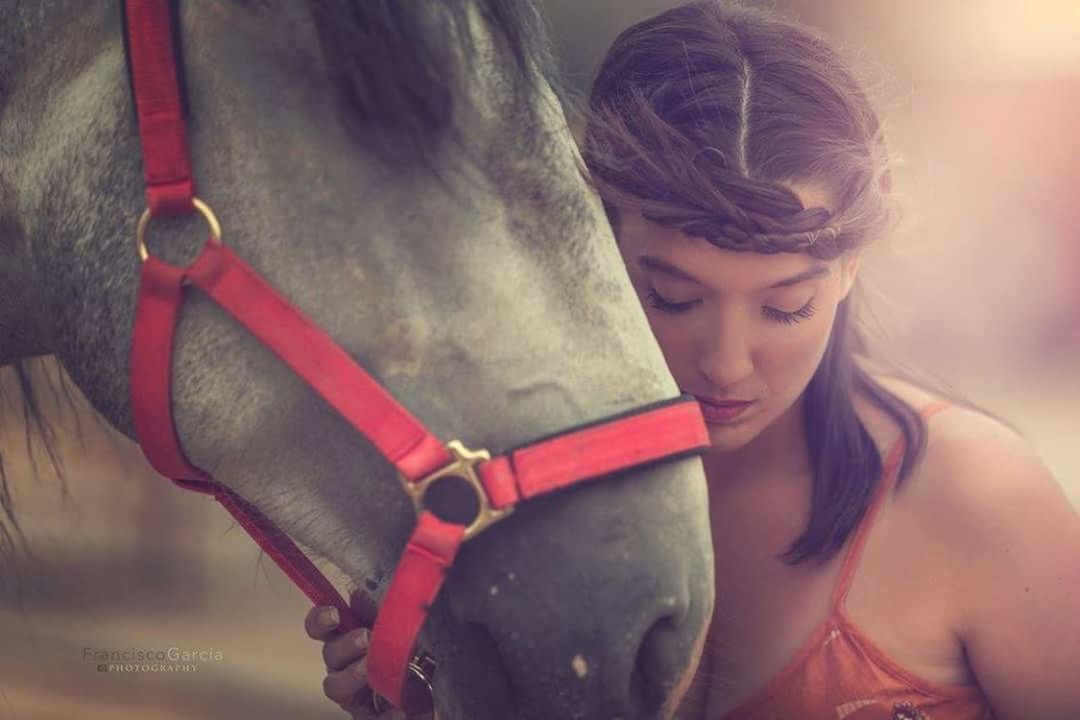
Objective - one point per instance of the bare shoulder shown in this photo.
(975, 467)
(978, 489)
(1008, 540)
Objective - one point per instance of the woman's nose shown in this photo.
(727, 357)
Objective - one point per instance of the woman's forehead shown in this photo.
(640, 237)
(675, 256)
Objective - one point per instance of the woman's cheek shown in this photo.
(672, 343)
(796, 352)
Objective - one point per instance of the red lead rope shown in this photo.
(663, 431)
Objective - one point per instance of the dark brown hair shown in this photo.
(702, 118)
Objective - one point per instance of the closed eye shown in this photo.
(790, 318)
(784, 317)
(666, 306)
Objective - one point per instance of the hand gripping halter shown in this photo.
(662, 431)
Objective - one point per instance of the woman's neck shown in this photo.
(778, 449)
(760, 494)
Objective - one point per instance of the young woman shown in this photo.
(880, 553)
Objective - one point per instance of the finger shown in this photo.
(361, 704)
(363, 607)
(344, 650)
(321, 622)
(360, 708)
(343, 686)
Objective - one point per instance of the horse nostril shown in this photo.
(661, 661)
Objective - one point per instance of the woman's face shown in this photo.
(734, 326)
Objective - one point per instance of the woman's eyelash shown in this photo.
(663, 305)
(790, 318)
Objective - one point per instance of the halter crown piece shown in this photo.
(662, 431)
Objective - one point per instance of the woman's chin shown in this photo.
(726, 437)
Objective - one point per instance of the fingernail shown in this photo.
(360, 671)
(362, 639)
(329, 618)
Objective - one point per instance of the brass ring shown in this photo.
(201, 207)
(421, 666)
(375, 703)
(416, 667)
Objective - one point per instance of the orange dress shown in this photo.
(840, 674)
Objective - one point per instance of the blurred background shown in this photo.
(980, 287)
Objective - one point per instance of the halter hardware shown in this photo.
(144, 222)
(463, 467)
(421, 667)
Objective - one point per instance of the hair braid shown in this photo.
(637, 160)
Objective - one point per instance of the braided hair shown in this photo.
(645, 166)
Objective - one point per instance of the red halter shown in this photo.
(666, 430)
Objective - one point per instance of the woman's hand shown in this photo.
(345, 655)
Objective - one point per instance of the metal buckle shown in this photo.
(422, 667)
(200, 207)
(463, 466)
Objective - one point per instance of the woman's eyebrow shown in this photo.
(808, 274)
(651, 262)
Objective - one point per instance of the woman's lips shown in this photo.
(722, 413)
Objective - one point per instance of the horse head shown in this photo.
(404, 174)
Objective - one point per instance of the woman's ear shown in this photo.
(849, 270)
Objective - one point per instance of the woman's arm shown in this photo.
(1018, 572)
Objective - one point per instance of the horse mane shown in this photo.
(412, 105)
(21, 384)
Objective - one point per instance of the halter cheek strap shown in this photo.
(662, 431)
(148, 41)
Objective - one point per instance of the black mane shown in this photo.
(396, 68)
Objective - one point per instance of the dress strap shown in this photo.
(889, 471)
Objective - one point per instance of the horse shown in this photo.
(404, 174)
